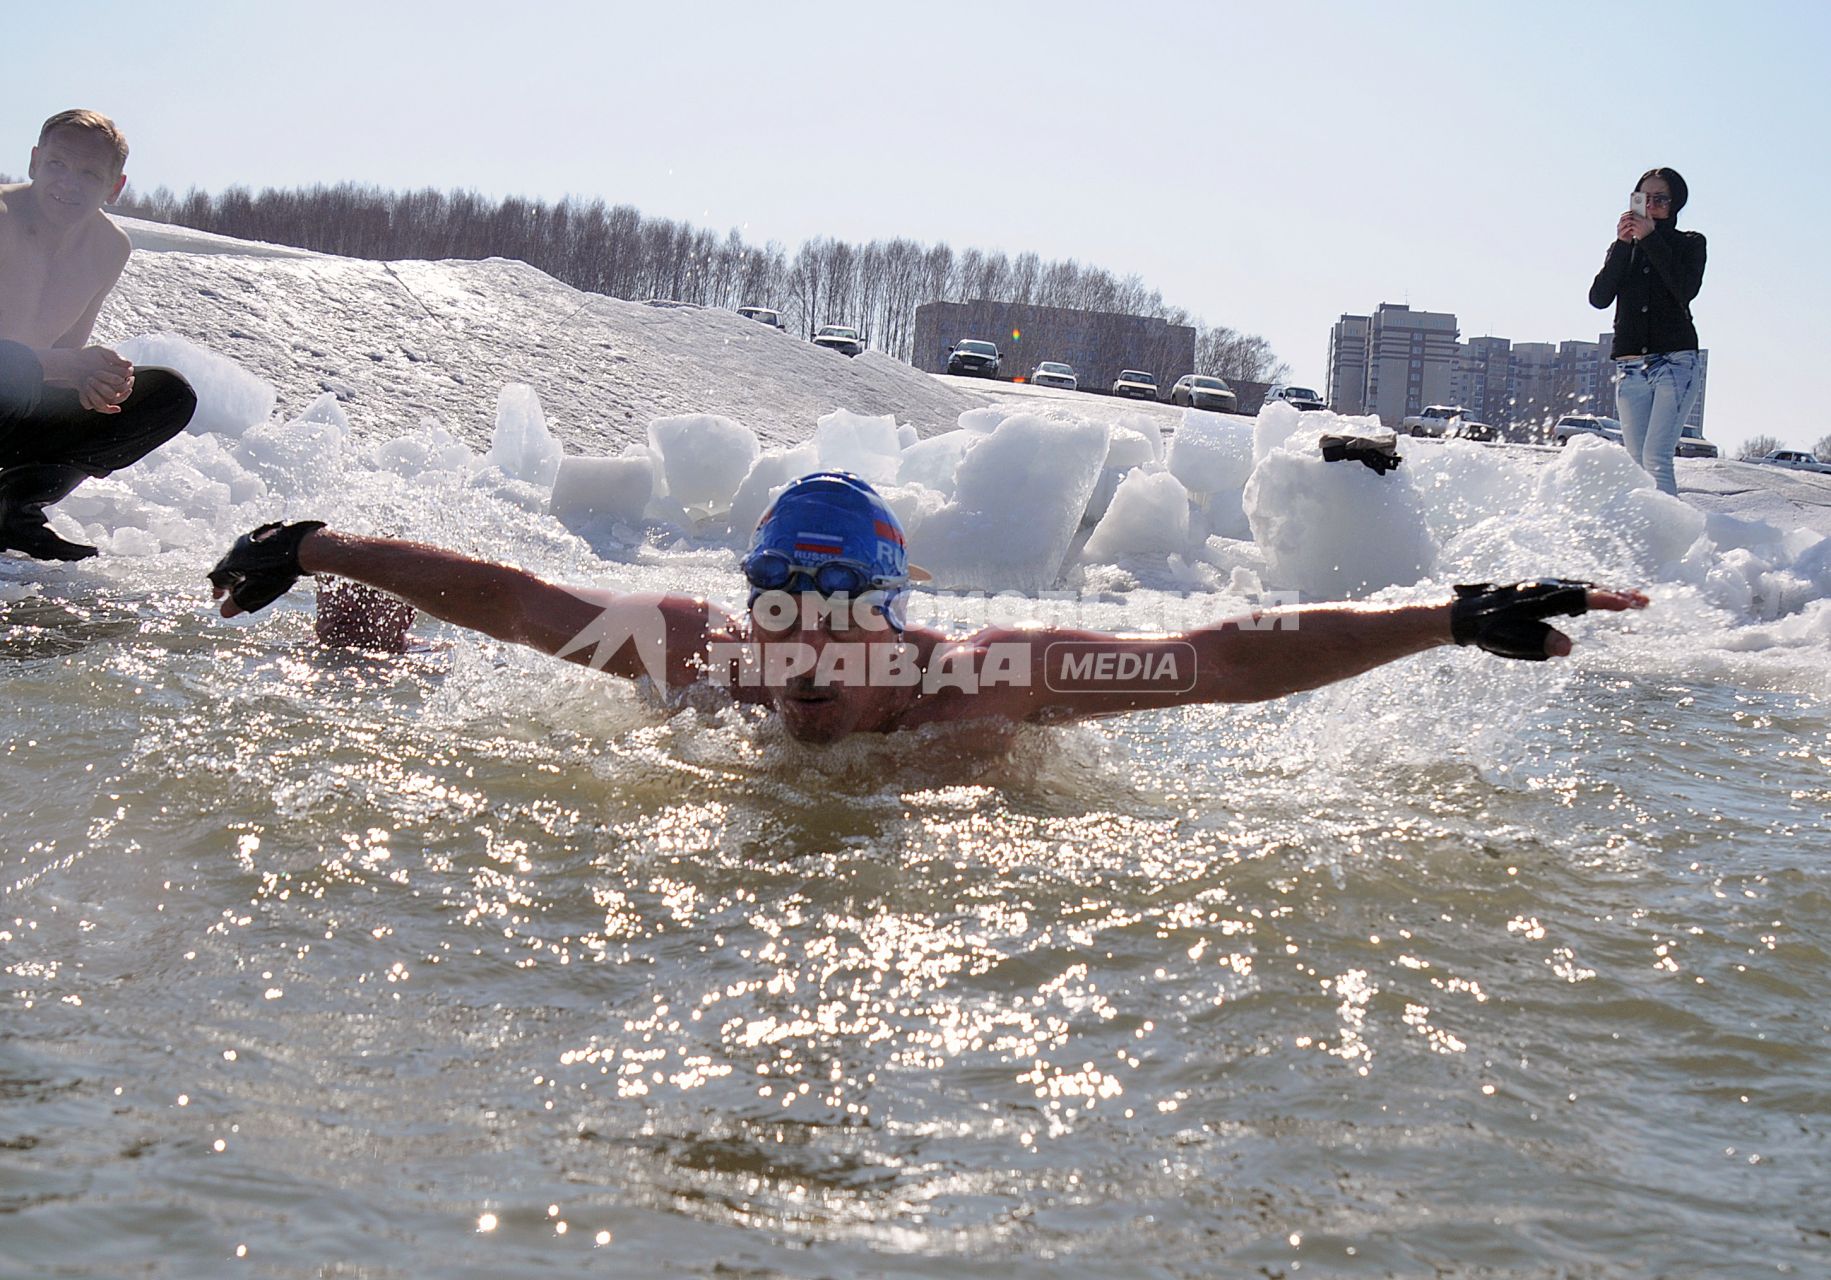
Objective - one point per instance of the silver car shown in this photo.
(1053, 373)
(1200, 391)
(1585, 424)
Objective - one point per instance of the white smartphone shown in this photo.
(1637, 203)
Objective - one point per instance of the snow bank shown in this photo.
(1018, 498)
(522, 446)
(229, 398)
(704, 458)
(998, 503)
(1335, 529)
(1148, 515)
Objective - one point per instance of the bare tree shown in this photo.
(1822, 450)
(1759, 446)
(1226, 353)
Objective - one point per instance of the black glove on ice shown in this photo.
(1505, 620)
(262, 565)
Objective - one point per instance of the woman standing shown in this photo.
(1652, 272)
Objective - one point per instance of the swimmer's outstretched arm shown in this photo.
(623, 633)
(1275, 652)
(1307, 647)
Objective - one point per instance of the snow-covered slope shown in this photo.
(400, 342)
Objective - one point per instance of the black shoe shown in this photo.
(25, 492)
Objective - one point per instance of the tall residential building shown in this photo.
(1578, 377)
(1411, 357)
(1482, 379)
(1532, 383)
(1347, 389)
(1397, 361)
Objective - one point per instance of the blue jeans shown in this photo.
(1654, 396)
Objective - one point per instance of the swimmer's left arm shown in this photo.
(1275, 652)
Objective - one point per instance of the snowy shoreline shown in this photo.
(486, 405)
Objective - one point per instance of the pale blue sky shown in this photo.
(1266, 166)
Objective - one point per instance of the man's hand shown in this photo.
(1507, 620)
(261, 567)
(102, 379)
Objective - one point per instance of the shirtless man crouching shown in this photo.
(68, 410)
(823, 642)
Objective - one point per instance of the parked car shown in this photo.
(1436, 420)
(1691, 444)
(1585, 424)
(1135, 384)
(1469, 429)
(974, 356)
(763, 315)
(841, 338)
(1302, 397)
(1795, 460)
(1052, 373)
(1199, 391)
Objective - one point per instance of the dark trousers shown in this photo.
(40, 424)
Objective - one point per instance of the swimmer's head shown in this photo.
(828, 571)
(831, 533)
(354, 616)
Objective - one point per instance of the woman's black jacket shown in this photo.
(1652, 283)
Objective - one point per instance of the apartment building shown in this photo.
(1347, 389)
(1406, 361)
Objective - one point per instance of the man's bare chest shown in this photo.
(45, 291)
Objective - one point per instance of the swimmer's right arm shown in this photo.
(506, 603)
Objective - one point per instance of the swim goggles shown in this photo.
(774, 571)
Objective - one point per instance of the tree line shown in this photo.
(615, 250)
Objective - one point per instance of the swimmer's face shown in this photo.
(74, 173)
(818, 662)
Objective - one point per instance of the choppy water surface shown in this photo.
(466, 963)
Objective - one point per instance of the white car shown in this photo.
(1302, 397)
(841, 338)
(1053, 373)
(1135, 384)
(1585, 424)
(1199, 391)
(1437, 421)
(1795, 460)
(763, 315)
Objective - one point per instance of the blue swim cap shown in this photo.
(834, 515)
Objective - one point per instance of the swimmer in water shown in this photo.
(354, 616)
(824, 643)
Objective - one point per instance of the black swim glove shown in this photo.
(262, 565)
(1506, 620)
